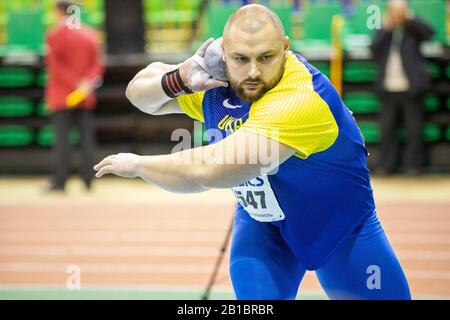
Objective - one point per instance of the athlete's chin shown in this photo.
(250, 94)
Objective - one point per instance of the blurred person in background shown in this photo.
(401, 82)
(75, 70)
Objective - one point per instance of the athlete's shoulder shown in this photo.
(295, 88)
(295, 75)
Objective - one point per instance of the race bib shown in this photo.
(258, 199)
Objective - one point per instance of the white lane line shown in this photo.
(119, 251)
(110, 236)
(428, 274)
(114, 225)
(183, 234)
(424, 255)
(118, 287)
(123, 224)
(165, 269)
(419, 238)
(108, 268)
(163, 251)
(158, 237)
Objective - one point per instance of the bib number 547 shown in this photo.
(256, 199)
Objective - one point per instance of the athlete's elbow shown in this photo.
(132, 92)
(129, 92)
(137, 98)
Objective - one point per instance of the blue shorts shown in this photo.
(364, 266)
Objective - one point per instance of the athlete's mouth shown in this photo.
(252, 84)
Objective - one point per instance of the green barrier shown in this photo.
(42, 78)
(447, 133)
(434, 70)
(317, 28)
(358, 23)
(46, 136)
(15, 136)
(26, 29)
(164, 12)
(433, 12)
(431, 133)
(16, 77)
(372, 134)
(359, 72)
(154, 11)
(217, 17)
(42, 110)
(285, 15)
(430, 102)
(13, 106)
(362, 102)
(317, 20)
(370, 131)
(323, 67)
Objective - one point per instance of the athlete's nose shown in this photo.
(254, 72)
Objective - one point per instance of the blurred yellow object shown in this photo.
(75, 97)
(337, 25)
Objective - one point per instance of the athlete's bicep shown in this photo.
(243, 156)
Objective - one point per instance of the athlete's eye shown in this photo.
(266, 58)
(240, 59)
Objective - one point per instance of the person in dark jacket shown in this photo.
(402, 79)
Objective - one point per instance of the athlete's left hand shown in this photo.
(122, 164)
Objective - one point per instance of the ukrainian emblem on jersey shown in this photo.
(229, 123)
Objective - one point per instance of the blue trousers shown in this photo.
(364, 266)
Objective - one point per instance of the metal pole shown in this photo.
(223, 249)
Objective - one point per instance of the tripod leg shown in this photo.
(223, 249)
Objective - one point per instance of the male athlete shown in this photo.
(311, 206)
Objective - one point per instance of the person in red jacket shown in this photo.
(75, 71)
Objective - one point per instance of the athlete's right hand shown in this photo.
(193, 72)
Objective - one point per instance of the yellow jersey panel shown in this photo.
(191, 104)
(293, 113)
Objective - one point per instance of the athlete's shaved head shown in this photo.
(252, 18)
(255, 49)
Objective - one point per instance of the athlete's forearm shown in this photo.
(145, 91)
(191, 171)
(214, 166)
(163, 171)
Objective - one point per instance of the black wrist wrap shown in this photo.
(173, 85)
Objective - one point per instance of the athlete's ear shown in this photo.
(287, 45)
(223, 52)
